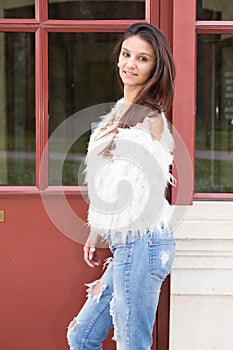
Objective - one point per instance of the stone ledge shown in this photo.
(201, 229)
(204, 258)
(202, 282)
(201, 323)
(208, 210)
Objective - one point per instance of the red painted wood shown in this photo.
(43, 276)
(163, 317)
(18, 21)
(163, 314)
(16, 25)
(147, 10)
(184, 51)
(166, 19)
(153, 12)
(41, 10)
(214, 27)
(41, 106)
(17, 191)
(88, 26)
(213, 196)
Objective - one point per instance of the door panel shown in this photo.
(44, 276)
(42, 271)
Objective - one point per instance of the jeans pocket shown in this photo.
(161, 256)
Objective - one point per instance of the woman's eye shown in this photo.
(144, 59)
(125, 54)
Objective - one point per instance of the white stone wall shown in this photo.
(202, 279)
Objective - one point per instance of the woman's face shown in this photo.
(136, 61)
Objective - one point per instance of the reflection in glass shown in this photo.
(97, 9)
(17, 9)
(80, 75)
(214, 157)
(215, 10)
(17, 104)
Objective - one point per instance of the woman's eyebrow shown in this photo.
(140, 53)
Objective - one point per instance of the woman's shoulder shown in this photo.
(156, 126)
(154, 133)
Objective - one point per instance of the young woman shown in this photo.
(127, 171)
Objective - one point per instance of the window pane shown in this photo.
(80, 76)
(17, 104)
(214, 157)
(17, 9)
(215, 10)
(97, 9)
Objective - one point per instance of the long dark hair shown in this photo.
(158, 92)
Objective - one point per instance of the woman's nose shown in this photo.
(131, 62)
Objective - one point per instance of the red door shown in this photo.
(54, 63)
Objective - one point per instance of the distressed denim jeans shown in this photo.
(128, 296)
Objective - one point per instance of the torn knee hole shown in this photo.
(73, 324)
(97, 289)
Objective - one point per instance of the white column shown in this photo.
(202, 279)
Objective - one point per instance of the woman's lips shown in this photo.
(130, 73)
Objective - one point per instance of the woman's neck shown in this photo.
(130, 94)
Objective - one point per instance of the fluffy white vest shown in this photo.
(127, 191)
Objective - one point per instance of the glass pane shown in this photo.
(214, 157)
(97, 9)
(215, 10)
(80, 76)
(17, 104)
(17, 9)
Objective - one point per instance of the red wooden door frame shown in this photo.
(15, 200)
(163, 314)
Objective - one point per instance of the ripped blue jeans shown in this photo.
(128, 297)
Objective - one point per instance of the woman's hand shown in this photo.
(90, 256)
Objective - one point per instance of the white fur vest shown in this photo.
(127, 191)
